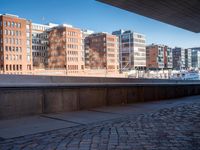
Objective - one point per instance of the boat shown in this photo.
(185, 75)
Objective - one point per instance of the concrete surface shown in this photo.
(48, 122)
(30, 125)
(85, 117)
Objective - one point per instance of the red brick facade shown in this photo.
(15, 45)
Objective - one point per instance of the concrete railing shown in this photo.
(29, 79)
(17, 100)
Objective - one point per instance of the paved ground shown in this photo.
(165, 125)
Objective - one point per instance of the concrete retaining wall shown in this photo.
(33, 100)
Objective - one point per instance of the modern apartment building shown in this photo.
(188, 58)
(132, 50)
(168, 63)
(178, 58)
(15, 45)
(65, 49)
(39, 45)
(195, 58)
(86, 33)
(102, 52)
(158, 57)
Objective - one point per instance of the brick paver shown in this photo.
(175, 128)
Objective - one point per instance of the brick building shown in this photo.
(158, 57)
(102, 52)
(15, 45)
(65, 49)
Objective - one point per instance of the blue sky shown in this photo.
(93, 15)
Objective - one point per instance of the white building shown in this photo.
(132, 50)
(188, 58)
(178, 58)
(85, 33)
(40, 44)
(195, 58)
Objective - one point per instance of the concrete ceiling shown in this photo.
(181, 13)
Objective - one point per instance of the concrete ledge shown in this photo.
(31, 99)
(29, 79)
(90, 85)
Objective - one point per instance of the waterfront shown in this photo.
(164, 74)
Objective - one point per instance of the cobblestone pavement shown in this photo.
(167, 129)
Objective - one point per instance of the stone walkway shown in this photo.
(174, 128)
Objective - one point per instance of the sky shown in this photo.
(99, 17)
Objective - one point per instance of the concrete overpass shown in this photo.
(181, 13)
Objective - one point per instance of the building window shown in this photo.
(8, 23)
(28, 35)
(5, 23)
(6, 40)
(27, 27)
(19, 25)
(28, 67)
(11, 42)
(13, 24)
(12, 32)
(27, 42)
(28, 49)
